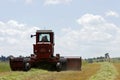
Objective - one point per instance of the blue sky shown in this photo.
(86, 28)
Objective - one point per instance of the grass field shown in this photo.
(4, 67)
(36, 74)
(117, 65)
(94, 71)
(106, 72)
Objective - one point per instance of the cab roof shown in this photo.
(44, 31)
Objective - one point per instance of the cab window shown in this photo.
(44, 37)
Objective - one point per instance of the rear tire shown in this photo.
(58, 66)
(27, 66)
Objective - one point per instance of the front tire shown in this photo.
(27, 66)
(58, 66)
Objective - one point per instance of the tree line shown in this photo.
(106, 57)
(4, 58)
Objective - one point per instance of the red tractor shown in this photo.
(43, 56)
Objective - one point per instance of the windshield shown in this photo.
(44, 37)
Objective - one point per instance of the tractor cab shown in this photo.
(44, 47)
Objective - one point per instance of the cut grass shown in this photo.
(107, 72)
(117, 65)
(85, 74)
(36, 74)
(20, 75)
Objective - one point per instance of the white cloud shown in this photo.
(97, 27)
(112, 13)
(29, 1)
(53, 2)
(15, 38)
(95, 37)
(90, 19)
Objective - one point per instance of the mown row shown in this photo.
(106, 72)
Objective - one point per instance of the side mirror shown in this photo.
(32, 36)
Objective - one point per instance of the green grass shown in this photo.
(94, 71)
(106, 72)
(84, 62)
(38, 74)
(117, 65)
(4, 67)
(20, 75)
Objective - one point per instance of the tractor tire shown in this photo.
(27, 66)
(58, 66)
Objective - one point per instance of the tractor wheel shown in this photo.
(27, 66)
(58, 66)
